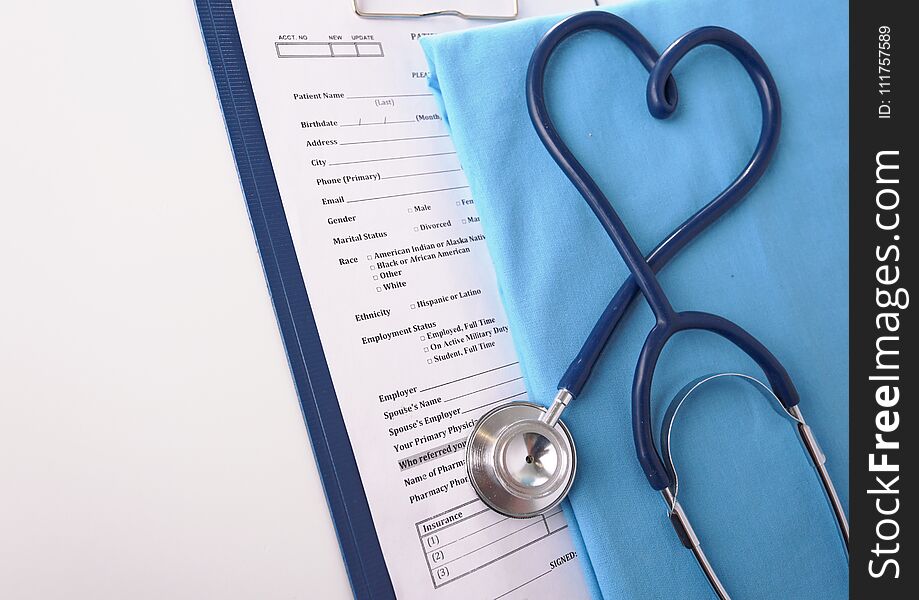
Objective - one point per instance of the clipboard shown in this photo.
(347, 500)
(335, 457)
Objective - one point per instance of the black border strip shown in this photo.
(882, 361)
(344, 491)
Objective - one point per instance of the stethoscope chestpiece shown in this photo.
(519, 463)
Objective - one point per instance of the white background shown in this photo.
(151, 443)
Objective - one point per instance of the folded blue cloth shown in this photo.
(776, 265)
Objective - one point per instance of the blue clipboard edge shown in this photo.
(341, 480)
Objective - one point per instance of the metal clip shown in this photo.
(434, 13)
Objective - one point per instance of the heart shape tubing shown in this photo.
(662, 102)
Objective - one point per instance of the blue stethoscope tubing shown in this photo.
(520, 457)
(662, 98)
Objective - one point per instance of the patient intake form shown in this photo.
(401, 286)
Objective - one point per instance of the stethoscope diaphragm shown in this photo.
(519, 464)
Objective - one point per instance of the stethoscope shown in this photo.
(520, 457)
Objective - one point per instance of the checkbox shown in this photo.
(416, 229)
(426, 349)
(423, 338)
(459, 202)
(411, 210)
(373, 267)
(370, 257)
(379, 289)
(430, 361)
(375, 277)
(413, 307)
(464, 221)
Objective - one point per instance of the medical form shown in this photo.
(402, 289)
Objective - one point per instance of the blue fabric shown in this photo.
(776, 265)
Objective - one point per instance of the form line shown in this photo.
(458, 187)
(495, 541)
(493, 561)
(423, 173)
(495, 402)
(522, 584)
(441, 547)
(389, 96)
(454, 523)
(482, 389)
(406, 139)
(434, 387)
(355, 162)
(359, 124)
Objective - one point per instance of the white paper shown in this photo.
(402, 289)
